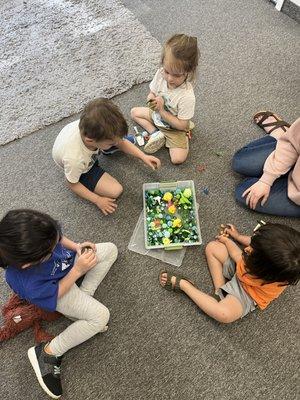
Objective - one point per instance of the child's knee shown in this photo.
(235, 163)
(177, 159)
(112, 251)
(101, 318)
(212, 247)
(116, 190)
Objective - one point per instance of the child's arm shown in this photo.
(106, 204)
(69, 244)
(235, 234)
(233, 249)
(84, 263)
(175, 122)
(130, 148)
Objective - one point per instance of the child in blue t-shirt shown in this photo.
(42, 267)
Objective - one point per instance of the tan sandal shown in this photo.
(263, 115)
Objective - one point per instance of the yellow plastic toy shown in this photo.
(172, 209)
(177, 223)
(167, 196)
(166, 241)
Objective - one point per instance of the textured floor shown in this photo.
(159, 346)
(59, 54)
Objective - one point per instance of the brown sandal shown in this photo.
(168, 286)
(279, 123)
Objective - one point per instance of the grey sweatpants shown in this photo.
(89, 314)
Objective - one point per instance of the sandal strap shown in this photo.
(177, 283)
(176, 288)
(264, 115)
(278, 124)
(168, 285)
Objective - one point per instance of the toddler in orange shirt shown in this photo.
(244, 279)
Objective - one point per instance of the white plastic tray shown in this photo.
(137, 244)
(166, 186)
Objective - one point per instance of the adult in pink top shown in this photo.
(272, 167)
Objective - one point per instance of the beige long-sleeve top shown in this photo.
(284, 158)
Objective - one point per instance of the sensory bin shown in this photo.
(171, 219)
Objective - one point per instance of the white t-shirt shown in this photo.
(179, 101)
(70, 153)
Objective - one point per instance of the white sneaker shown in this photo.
(156, 141)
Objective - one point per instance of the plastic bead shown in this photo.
(167, 196)
(166, 241)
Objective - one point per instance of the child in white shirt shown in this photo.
(103, 128)
(171, 99)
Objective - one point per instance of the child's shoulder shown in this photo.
(189, 88)
(70, 129)
(68, 136)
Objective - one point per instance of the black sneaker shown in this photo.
(47, 370)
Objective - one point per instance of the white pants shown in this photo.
(90, 315)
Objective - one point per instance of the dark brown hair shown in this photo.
(275, 255)
(185, 53)
(26, 236)
(101, 119)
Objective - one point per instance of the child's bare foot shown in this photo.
(271, 123)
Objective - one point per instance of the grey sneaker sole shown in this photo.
(35, 365)
(155, 145)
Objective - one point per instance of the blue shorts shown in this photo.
(91, 178)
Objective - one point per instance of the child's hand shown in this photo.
(255, 192)
(159, 103)
(222, 239)
(106, 205)
(232, 231)
(86, 244)
(85, 262)
(152, 162)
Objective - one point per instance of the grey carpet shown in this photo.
(59, 54)
(159, 345)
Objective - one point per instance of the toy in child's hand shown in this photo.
(222, 230)
(86, 249)
(151, 103)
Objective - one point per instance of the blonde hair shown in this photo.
(183, 54)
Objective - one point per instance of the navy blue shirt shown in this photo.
(38, 284)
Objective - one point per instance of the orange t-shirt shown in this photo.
(261, 293)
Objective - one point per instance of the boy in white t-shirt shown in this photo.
(171, 99)
(76, 148)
